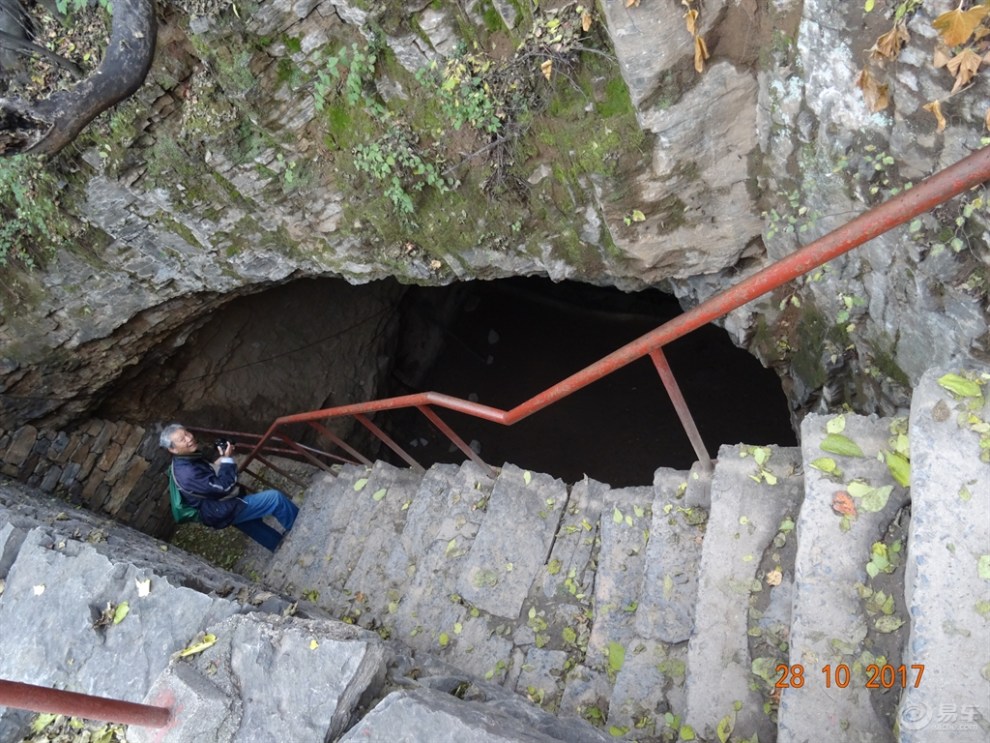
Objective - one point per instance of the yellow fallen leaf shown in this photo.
(691, 20)
(122, 610)
(956, 26)
(700, 54)
(964, 66)
(889, 45)
(986, 119)
(774, 577)
(877, 96)
(935, 108)
(632, 3)
(586, 21)
(313, 644)
(941, 57)
(198, 646)
(547, 68)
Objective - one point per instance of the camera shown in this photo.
(221, 444)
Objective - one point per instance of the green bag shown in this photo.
(181, 511)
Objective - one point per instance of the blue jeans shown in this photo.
(266, 503)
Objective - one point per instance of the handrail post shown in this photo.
(680, 405)
(73, 704)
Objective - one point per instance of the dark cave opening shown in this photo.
(316, 343)
(512, 338)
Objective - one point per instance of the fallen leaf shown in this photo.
(691, 21)
(547, 69)
(586, 21)
(143, 587)
(935, 108)
(359, 485)
(836, 424)
(836, 443)
(198, 645)
(313, 644)
(986, 119)
(379, 494)
(959, 386)
(842, 503)
(122, 610)
(889, 45)
(964, 66)
(632, 3)
(774, 577)
(527, 477)
(941, 57)
(700, 54)
(899, 467)
(877, 96)
(876, 499)
(956, 26)
(888, 624)
(825, 464)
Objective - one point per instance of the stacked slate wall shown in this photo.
(112, 468)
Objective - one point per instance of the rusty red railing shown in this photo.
(969, 172)
(87, 706)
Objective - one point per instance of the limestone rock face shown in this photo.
(233, 172)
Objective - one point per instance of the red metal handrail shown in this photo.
(969, 172)
(73, 704)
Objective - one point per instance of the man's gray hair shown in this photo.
(165, 440)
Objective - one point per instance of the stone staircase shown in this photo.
(799, 595)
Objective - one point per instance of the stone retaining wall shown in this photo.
(112, 468)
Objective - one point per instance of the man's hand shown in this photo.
(229, 451)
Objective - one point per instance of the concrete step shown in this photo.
(756, 493)
(844, 618)
(948, 568)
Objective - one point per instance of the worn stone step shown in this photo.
(387, 507)
(834, 623)
(755, 496)
(624, 526)
(298, 567)
(514, 541)
(431, 615)
(556, 636)
(947, 580)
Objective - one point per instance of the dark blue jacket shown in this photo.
(202, 487)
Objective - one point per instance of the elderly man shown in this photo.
(212, 489)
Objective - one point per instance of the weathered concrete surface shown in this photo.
(947, 585)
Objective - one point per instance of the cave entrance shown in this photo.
(510, 339)
(240, 362)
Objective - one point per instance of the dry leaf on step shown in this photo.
(876, 95)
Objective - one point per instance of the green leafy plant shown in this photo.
(401, 167)
(350, 72)
(464, 94)
(31, 225)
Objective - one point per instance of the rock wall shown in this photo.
(112, 468)
(233, 171)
